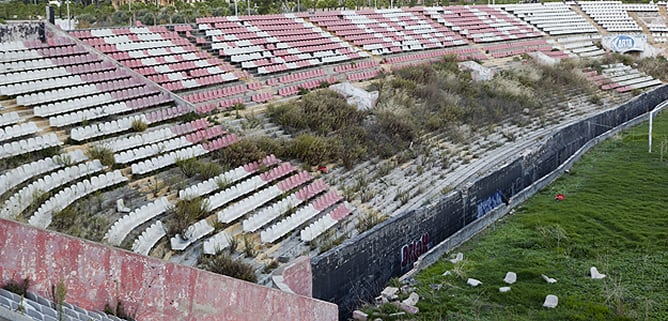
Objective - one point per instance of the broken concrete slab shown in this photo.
(412, 299)
(408, 308)
(359, 315)
(511, 277)
(473, 282)
(551, 301)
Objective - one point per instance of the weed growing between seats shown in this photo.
(613, 217)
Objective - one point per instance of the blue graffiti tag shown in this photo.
(489, 203)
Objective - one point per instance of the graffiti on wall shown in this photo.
(411, 251)
(489, 203)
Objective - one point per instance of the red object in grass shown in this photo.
(560, 197)
(322, 169)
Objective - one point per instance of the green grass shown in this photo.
(614, 217)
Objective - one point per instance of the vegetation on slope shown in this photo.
(416, 100)
(613, 217)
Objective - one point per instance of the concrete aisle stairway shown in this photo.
(643, 26)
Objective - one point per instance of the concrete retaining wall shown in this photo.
(150, 289)
(356, 270)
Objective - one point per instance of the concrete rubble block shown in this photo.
(381, 299)
(595, 274)
(473, 282)
(412, 299)
(548, 279)
(120, 206)
(504, 289)
(408, 308)
(511, 277)
(551, 301)
(359, 315)
(390, 293)
(458, 258)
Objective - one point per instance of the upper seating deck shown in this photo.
(553, 18)
(161, 55)
(482, 23)
(611, 15)
(274, 43)
(387, 31)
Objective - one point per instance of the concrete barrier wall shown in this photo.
(150, 289)
(356, 270)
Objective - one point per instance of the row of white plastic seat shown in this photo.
(118, 39)
(302, 215)
(20, 174)
(88, 114)
(31, 75)
(42, 217)
(68, 105)
(37, 85)
(161, 51)
(29, 145)
(17, 130)
(324, 223)
(129, 46)
(169, 159)
(144, 138)
(26, 64)
(286, 225)
(240, 208)
(193, 233)
(212, 184)
(48, 96)
(106, 128)
(22, 199)
(9, 118)
(123, 226)
(56, 94)
(231, 193)
(12, 45)
(316, 228)
(268, 214)
(19, 55)
(227, 178)
(132, 155)
(148, 238)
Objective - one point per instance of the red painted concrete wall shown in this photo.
(298, 276)
(152, 289)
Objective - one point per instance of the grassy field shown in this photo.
(614, 217)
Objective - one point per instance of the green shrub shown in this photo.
(185, 213)
(222, 263)
(138, 125)
(208, 169)
(20, 288)
(187, 166)
(105, 155)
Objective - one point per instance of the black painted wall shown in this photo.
(358, 269)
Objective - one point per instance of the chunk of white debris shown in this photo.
(390, 293)
(595, 274)
(359, 315)
(446, 273)
(510, 278)
(120, 206)
(504, 289)
(473, 282)
(412, 299)
(548, 279)
(551, 301)
(458, 258)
